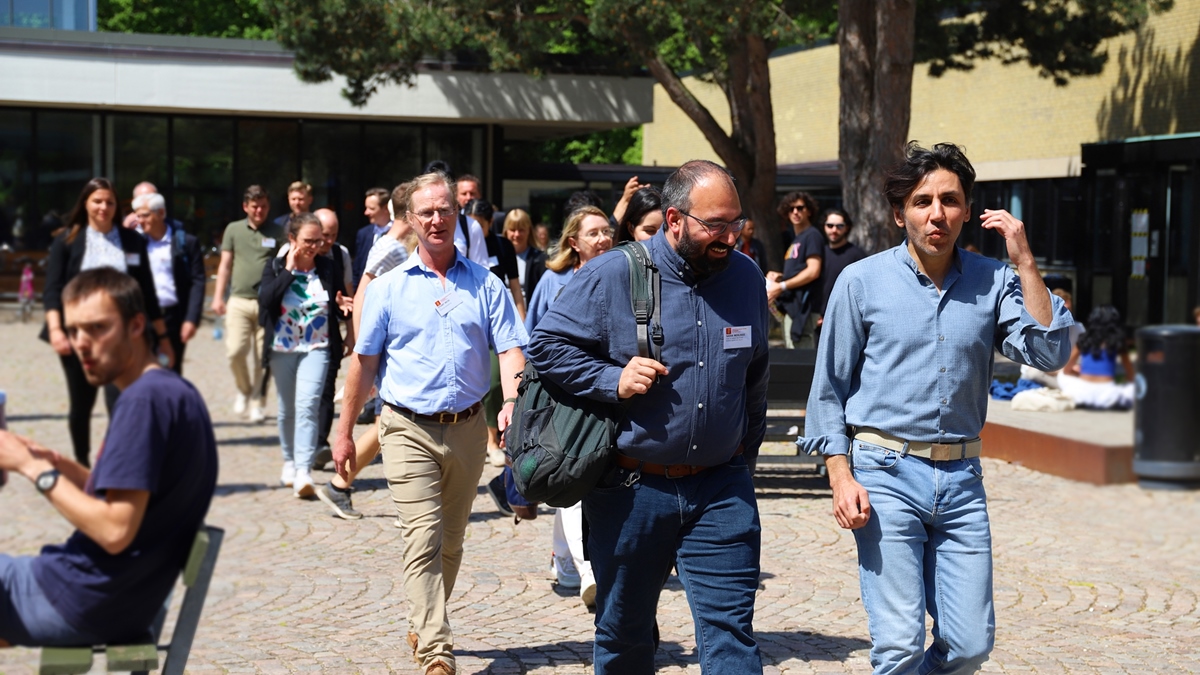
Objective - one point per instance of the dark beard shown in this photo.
(697, 257)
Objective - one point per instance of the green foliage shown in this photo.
(615, 146)
(1060, 38)
(374, 42)
(218, 18)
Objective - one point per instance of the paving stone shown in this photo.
(1088, 579)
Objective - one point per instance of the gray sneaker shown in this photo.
(323, 456)
(338, 501)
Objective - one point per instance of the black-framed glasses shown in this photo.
(798, 207)
(838, 226)
(718, 228)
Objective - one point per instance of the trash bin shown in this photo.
(1166, 439)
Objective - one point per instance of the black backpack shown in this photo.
(559, 444)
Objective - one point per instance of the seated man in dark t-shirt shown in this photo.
(137, 511)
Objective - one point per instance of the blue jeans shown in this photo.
(926, 548)
(299, 380)
(26, 617)
(708, 526)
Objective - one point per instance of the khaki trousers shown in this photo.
(244, 337)
(433, 473)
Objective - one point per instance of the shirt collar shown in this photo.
(956, 267)
(414, 261)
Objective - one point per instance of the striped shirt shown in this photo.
(386, 255)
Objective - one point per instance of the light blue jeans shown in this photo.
(926, 548)
(299, 379)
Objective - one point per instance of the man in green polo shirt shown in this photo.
(247, 246)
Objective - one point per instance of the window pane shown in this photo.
(203, 196)
(331, 166)
(31, 13)
(71, 14)
(266, 156)
(18, 224)
(137, 150)
(68, 147)
(460, 147)
(391, 154)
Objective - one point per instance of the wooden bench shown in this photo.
(142, 657)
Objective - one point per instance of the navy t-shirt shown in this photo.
(160, 439)
(836, 260)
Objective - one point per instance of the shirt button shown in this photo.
(942, 370)
(941, 338)
(699, 323)
(701, 364)
(695, 447)
(701, 405)
(943, 401)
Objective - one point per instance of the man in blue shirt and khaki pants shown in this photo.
(426, 331)
(679, 492)
(901, 385)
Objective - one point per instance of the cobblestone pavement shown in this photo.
(1088, 579)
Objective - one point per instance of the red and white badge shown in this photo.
(737, 337)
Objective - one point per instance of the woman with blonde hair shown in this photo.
(585, 235)
(531, 261)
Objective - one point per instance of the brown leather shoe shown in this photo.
(412, 643)
(524, 512)
(439, 668)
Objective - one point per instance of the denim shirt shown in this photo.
(437, 360)
(899, 356)
(713, 399)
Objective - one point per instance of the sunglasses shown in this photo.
(838, 226)
(799, 207)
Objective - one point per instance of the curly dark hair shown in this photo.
(1104, 332)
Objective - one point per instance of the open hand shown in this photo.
(1013, 232)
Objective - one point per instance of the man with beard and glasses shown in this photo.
(679, 491)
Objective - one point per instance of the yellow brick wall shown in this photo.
(1006, 116)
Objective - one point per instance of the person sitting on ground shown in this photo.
(1089, 376)
(1050, 379)
(138, 510)
(642, 217)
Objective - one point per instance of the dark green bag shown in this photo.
(560, 444)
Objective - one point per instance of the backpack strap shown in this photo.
(645, 287)
(178, 244)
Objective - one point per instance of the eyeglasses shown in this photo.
(798, 207)
(598, 234)
(717, 229)
(426, 217)
(838, 226)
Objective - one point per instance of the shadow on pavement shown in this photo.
(780, 646)
(775, 483)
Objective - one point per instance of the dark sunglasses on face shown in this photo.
(839, 226)
(799, 207)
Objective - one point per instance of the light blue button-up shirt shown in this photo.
(434, 362)
(900, 356)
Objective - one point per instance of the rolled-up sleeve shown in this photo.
(1023, 339)
(506, 331)
(842, 342)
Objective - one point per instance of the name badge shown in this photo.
(737, 337)
(268, 242)
(493, 261)
(132, 260)
(447, 302)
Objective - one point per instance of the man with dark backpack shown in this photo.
(679, 491)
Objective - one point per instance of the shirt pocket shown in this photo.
(734, 363)
(869, 457)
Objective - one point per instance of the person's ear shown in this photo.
(898, 217)
(136, 328)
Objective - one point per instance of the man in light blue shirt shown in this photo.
(424, 338)
(901, 384)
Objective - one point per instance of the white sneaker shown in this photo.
(304, 487)
(256, 414)
(496, 457)
(288, 476)
(239, 404)
(564, 572)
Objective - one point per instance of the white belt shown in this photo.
(938, 452)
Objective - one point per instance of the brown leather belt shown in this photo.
(438, 418)
(668, 470)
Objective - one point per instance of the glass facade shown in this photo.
(60, 14)
(202, 164)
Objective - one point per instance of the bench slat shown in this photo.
(132, 658)
(65, 660)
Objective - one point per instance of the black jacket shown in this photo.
(275, 281)
(535, 267)
(66, 258)
(187, 266)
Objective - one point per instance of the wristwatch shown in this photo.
(46, 480)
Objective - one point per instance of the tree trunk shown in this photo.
(875, 39)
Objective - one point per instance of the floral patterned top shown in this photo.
(303, 323)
